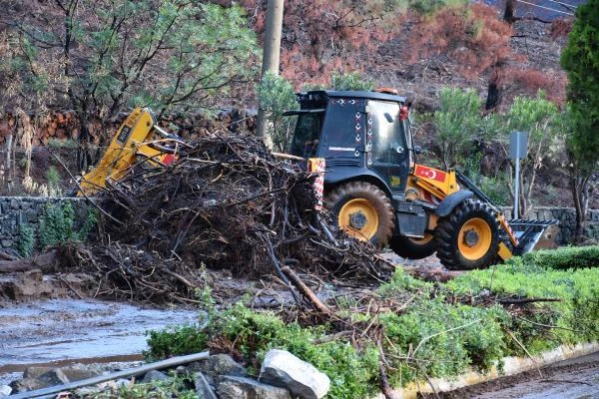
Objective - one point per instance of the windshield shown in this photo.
(307, 134)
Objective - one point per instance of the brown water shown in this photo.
(64, 331)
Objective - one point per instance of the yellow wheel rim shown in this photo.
(422, 241)
(359, 219)
(475, 239)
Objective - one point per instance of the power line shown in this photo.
(565, 5)
(545, 8)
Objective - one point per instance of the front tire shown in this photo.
(363, 211)
(469, 237)
(413, 248)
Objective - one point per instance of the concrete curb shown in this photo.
(513, 365)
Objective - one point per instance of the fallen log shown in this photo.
(305, 291)
(47, 262)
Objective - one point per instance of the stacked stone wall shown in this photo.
(18, 211)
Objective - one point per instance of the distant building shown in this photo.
(546, 10)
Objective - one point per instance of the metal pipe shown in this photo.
(133, 372)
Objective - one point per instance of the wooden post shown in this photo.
(272, 51)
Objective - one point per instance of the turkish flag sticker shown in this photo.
(430, 173)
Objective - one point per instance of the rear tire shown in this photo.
(413, 248)
(364, 211)
(469, 237)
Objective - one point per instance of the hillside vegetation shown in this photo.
(69, 69)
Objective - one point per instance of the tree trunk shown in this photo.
(509, 12)
(579, 186)
(272, 51)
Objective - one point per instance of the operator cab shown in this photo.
(359, 133)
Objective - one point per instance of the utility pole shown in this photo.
(272, 50)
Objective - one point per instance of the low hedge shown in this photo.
(565, 258)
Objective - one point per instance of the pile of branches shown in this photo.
(228, 203)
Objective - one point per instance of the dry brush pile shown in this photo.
(226, 204)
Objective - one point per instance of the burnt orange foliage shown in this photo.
(472, 37)
(322, 36)
(529, 81)
(561, 27)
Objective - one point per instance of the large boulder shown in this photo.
(38, 377)
(78, 371)
(282, 369)
(245, 388)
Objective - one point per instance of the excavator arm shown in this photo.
(139, 137)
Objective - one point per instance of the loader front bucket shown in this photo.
(534, 234)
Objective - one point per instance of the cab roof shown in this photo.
(368, 95)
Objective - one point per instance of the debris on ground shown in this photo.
(212, 375)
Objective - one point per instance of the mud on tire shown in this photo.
(377, 199)
(454, 255)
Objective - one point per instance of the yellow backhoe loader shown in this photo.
(373, 186)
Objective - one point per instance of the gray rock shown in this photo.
(25, 384)
(245, 388)
(78, 372)
(221, 365)
(203, 388)
(53, 377)
(35, 371)
(282, 369)
(5, 390)
(154, 375)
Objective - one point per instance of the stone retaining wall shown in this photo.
(567, 221)
(16, 211)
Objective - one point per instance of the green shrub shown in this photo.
(26, 243)
(445, 339)
(351, 81)
(436, 336)
(174, 341)
(277, 96)
(565, 258)
(353, 372)
(575, 315)
(53, 179)
(431, 6)
(57, 226)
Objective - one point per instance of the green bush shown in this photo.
(353, 372)
(53, 178)
(574, 316)
(277, 96)
(174, 341)
(565, 258)
(431, 6)
(26, 243)
(351, 81)
(57, 226)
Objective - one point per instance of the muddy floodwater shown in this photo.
(67, 331)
